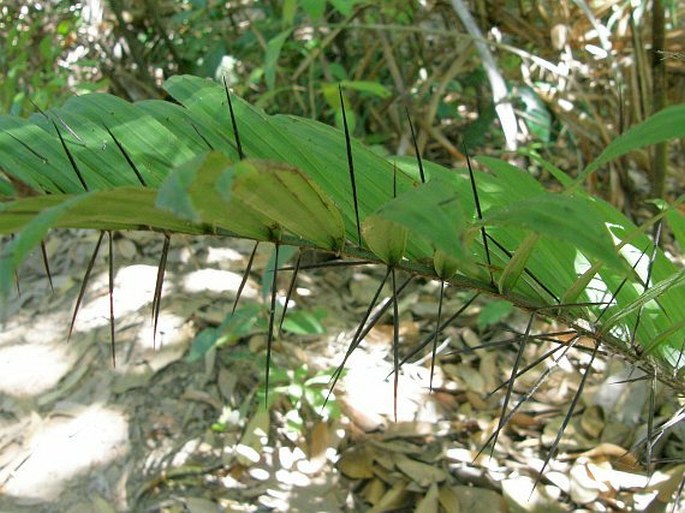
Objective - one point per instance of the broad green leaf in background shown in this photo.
(345, 7)
(536, 115)
(302, 322)
(289, 9)
(668, 123)
(273, 52)
(235, 326)
(572, 219)
(548, 166)
(365, 86)
(493, 312)
(313, 8)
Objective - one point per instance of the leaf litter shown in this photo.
(199, 438)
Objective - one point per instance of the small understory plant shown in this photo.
(210, 164)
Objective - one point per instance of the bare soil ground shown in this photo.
(160, 433)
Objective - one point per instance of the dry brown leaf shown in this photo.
(319, 441)
(429, 502)
(523, 420)
(616, 454)
(411, 429)
(408, 329)
(374, 491)
(357, 463)
(476, 401)
(488, 368)
(397, 446)
(387, 476)
(592, 422)
(202, 396)
(393, 498)
(227, 381)
(385, 459)
(449, 500)
(422, 473)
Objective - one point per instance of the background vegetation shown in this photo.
(576, 73)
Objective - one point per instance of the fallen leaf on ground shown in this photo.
(429, 503)
(449, 499)
(357, 463)
(422, 473)
(393, 498)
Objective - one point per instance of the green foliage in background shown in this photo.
(34, 38)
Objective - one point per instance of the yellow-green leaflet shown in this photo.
(290, 198)
(386, 239)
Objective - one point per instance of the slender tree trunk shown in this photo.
(503, 107)
(659, 162)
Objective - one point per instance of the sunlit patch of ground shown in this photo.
(65, 445)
